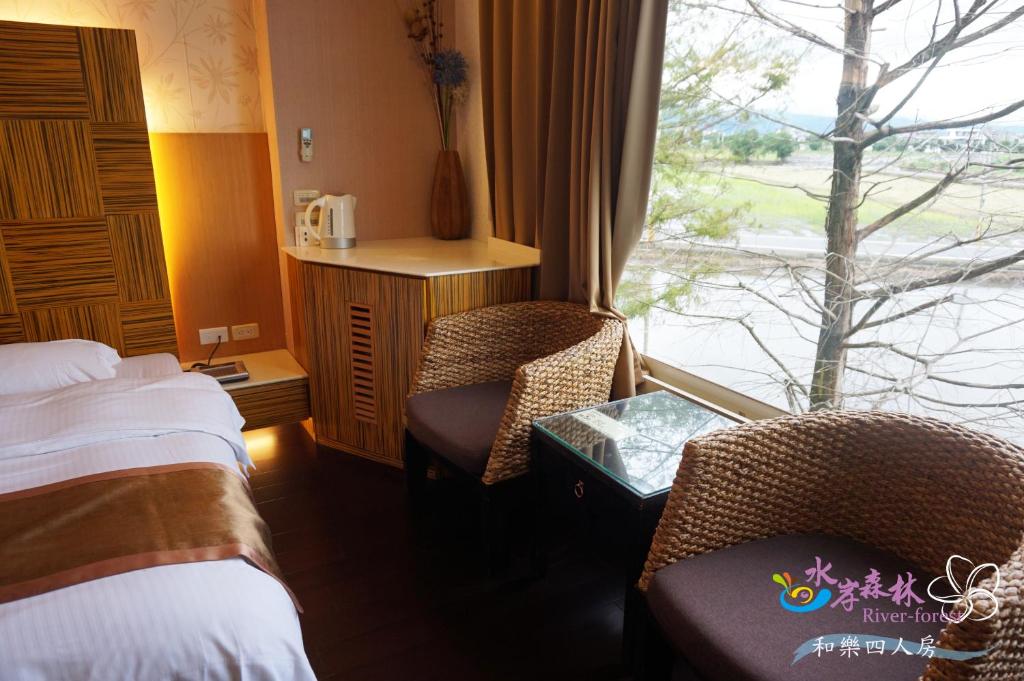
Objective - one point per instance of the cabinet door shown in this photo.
(365, 331)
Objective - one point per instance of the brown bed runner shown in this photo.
(100, 525)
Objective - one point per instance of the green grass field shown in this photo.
(776, 208)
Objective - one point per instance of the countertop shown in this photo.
(272, 366)
(423, 256)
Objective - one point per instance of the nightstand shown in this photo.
(277, 390)
(603, 475)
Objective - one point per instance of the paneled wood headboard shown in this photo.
(81, 254)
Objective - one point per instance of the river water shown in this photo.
(978, 339)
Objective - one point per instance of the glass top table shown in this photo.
(636, 442)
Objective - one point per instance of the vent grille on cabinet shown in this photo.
(364, 393)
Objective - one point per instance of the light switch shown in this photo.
(213, 335)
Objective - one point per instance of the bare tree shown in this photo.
(853, 296)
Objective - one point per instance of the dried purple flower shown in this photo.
(449, 68)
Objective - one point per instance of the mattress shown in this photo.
(209, 620)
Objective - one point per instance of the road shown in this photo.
(808, 245)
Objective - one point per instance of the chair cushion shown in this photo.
(459, 424)
(721, 611)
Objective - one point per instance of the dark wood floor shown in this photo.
(386, 598)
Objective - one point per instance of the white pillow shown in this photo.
(156, 365)
(34, 367)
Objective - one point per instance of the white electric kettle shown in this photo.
(337, 225)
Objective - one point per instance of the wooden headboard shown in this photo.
(81, 254)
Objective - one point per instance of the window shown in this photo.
(869, 256)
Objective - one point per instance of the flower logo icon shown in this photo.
(806, 600)
(964, 598)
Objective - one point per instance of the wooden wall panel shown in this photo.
(40, 72)
(216, 205)
(112, 76)
(460, 292)
(148, 327)
(97, 322)
(138, 253)
(58, 263)
(81, 252)
(10, 329)
(47, 170)
(8, 303)
(125, 167)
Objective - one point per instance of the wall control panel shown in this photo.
(305, 144)
(303, 197)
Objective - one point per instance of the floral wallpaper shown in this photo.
(199, 58)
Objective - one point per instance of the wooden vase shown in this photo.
(449, 202)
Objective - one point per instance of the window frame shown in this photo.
(663, 376)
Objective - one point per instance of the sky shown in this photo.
(980, 77)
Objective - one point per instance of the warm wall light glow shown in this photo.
(212, 85)
(261, 443)
(168, 199)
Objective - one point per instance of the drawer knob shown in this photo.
(577, 489)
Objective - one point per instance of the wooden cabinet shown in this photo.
(364, 334)
(361, 333)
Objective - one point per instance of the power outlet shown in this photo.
(245, 331)
(212, 335)
(304, 197)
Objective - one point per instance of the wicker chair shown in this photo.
(530, 360)
(917, 488)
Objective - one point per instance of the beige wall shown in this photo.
(199, 60)
(346, 69)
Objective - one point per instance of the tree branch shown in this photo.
(875, 307)
(901, 315)
(951, 40)
(979, 386)
(913, 91)
(793, 29)
(882, 6)
(948, 124)
(914, 204)
(778, 362)
(885, 346)
(953, 277)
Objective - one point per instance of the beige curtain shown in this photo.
(570, 90)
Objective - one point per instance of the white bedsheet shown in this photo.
(118, 408)
(209, 620)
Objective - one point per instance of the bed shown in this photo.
(207, 619)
